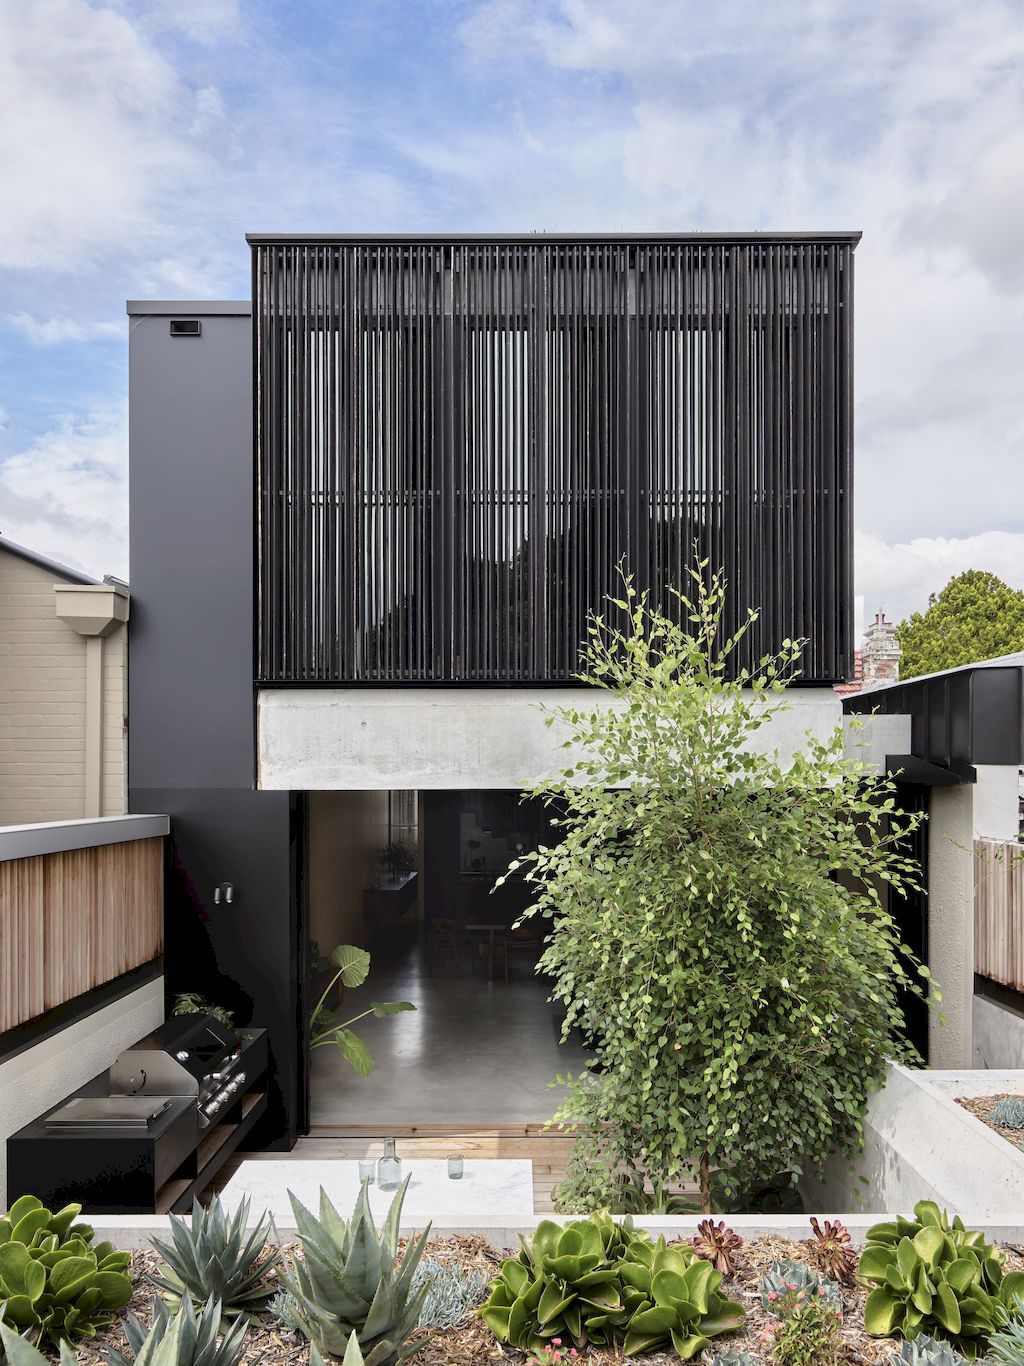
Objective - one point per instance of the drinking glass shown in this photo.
(455, 1167)
(367, 1171)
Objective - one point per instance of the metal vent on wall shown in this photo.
(457, 442)
(185, 327)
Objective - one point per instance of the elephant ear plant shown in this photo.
(53, 1282)
(926, 1275)
(353, 968)
(350, 1281)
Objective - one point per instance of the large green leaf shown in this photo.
(881, 1313)
(354, 1051)
(353, 962)
(382, 1008)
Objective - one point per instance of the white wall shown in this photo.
(443, 738)
(998, 1035)
(951, 923)
(38, 1078)
(996, 798)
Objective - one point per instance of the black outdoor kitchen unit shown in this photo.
(148, 1135)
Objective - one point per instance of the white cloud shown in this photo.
(53, 331)
(66, 495)
(898, 577)
(94, 128)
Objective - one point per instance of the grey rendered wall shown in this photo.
(191, 727)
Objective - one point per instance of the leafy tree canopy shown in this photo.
(716, 926)
(976, 616)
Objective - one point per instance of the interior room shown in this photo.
(411, 876)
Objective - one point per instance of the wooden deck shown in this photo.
(549, 1152)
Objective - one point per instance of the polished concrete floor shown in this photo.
(473, 1052)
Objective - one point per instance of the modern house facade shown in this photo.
(370, 511)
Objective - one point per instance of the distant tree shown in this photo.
(976, 616)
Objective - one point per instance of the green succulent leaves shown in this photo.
(592, 1282)
(926, 1275)
(349, 1282)
(52, 1281)
(216, 1258)
(184, 1338)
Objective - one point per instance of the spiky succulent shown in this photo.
(718, 1245)
(1005, 1346)
(1008, 1113)
(182, 1339)
(734, 1357)
(216, 1258)
(927, 1351)
(833, 1251)
(351, 1281)
(789, 1284)
(453, 1292)
(18, 1351)
(284, 1310)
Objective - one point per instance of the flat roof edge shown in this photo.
(195, 308)
(256, 239)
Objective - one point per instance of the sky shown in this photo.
(141, 139)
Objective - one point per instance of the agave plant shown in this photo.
(833, 1250)
(926, 1351)
(680, 1303)
(718, 1245)
(563, 1284)
(789, 1284)
(18, 1351)
(182, 1339)
(349, 1281)
(214, 1258)
(926, 1275)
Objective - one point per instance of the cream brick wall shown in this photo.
(42, 703)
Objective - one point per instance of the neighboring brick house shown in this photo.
(63, 691)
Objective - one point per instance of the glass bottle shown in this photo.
(389, 1168)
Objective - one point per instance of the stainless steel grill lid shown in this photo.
(110, 1112)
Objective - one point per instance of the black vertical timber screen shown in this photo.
(458, 441)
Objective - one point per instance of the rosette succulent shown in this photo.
(564, 1284)
(926, 1351)
(680, 1306)
(53, 1283)
(788, 1284)
(927, 1275)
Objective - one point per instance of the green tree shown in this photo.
(976, 616)
(739, 996)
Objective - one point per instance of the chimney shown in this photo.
(880, 653)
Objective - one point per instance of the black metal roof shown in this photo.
(851, 236)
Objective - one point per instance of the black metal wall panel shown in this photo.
(459, 440)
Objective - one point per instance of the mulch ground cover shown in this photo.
(473, 1345)
(981, 1107)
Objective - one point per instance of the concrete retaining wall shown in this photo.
(998, 1036)
(921, 1145)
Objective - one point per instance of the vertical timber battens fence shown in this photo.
(458, 440)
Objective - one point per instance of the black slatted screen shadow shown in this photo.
(458, 441)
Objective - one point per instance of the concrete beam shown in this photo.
(373, 739)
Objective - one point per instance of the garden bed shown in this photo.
(981, 1108)
(474, 1344)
